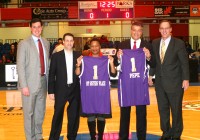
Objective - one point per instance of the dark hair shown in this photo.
(165, 20)
(95, 39)
(68, 34)
(137, 23)
(59, 39)
(34, 20)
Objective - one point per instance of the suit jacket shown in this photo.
(28, 63)
(57, 83)
(175, 67)
(127, 45)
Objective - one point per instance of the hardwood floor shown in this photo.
(11, 116)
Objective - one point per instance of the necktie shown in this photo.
(41, 56)
(134, 45)
(162, 53)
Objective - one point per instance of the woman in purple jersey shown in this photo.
(95, 52)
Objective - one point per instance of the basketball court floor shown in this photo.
(11, 117)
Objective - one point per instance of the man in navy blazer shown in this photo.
(63, 87)
(171, 79)
(141, 112)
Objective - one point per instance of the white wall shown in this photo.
(113, 30)
(194, 27)
(194, 30)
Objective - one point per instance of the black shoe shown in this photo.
(176, 138)
(162, 138)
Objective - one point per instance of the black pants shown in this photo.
(141, 122)
(73, 116)
(170, 102)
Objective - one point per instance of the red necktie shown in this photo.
(134, 46)
(41, 56)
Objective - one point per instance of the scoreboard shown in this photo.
(96, 10)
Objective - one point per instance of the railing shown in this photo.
(80, 41)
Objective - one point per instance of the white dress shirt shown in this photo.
(35, 39)
(138, 42)
(69, 65)
(166, 43)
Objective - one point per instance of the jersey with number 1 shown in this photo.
(95, 86)
(133, 79)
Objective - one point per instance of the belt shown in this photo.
(42, 75)
(69, 85)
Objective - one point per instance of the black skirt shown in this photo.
(107, 116)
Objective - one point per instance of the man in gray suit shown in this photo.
(32, 66)
(172, 78)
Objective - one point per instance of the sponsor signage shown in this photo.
(108, 51)
(50, 13)
(171, 11)
(194, 10)
(11, 73)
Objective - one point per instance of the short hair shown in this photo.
(34, 20)
(165, 20)
(60, 39)
(68, 34)
(95, 39)
(137, 23)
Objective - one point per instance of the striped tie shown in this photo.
(162, 53)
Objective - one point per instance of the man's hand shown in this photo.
(25, 91)
(185, 84)
(150, 81)
(79, 60)
(147, 53)
(51, 96)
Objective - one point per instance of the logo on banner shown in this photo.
(37, 11)
(108, 51)
(124, 4)
(88, 5)
(195, 10)
(11, 73)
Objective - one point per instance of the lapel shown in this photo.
(158, 50)
(142, 44)
(169, 49)
(34, 48)
(129, 44)
(46, 51)
(74, 61)
(63, 64)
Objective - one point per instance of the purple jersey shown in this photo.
(133, 79)
(95, 86)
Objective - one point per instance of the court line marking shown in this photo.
(148, 132)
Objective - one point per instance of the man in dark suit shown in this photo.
(141, 121)
(172, 78)
(64, 87)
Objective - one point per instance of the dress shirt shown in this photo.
(35, 39)
(69, 65)
(166, 43)
(138, 42)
